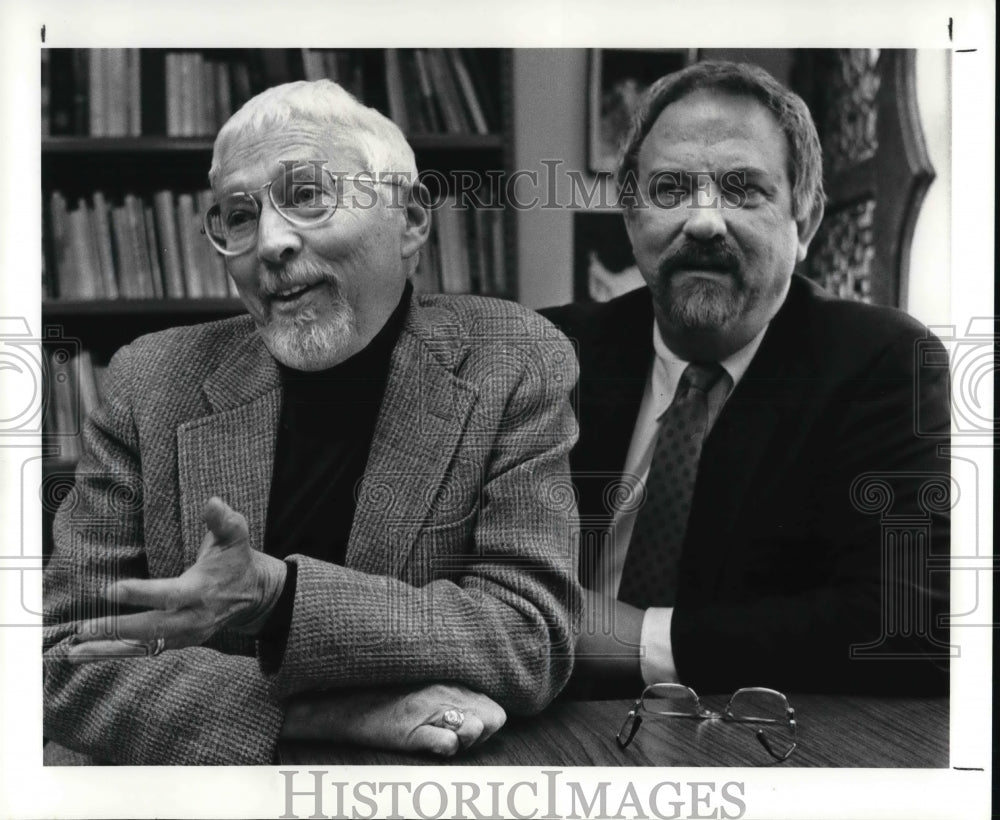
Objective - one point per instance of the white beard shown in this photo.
(304, 343)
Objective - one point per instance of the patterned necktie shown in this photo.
(649, 577)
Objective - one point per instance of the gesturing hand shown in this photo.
(229, 585)
(438, 718)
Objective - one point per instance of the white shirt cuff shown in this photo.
(657, 658)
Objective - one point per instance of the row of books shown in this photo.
(134, 249)
(154, 249)
(73, 389)
(201, 93)
(121, 92)
(465, 252)
(432, 91)
(347, 68)
(130, 92)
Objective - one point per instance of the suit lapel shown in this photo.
(733, 459)
(423, 415)
(230, 453)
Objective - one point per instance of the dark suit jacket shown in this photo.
(820, 503)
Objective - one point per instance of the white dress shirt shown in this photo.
(656, 655)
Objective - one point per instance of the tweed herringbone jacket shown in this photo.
(460, 564)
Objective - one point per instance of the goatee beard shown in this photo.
(307, 340)
(303, 342)
(700, 302)
(697, 303)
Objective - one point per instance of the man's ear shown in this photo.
(806, 229)
(418, 220)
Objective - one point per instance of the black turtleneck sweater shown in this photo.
(325, 433)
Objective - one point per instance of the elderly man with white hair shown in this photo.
(336, 518)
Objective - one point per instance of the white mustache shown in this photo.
(291, 278)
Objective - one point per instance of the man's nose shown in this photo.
(706, 213)
(278, 240)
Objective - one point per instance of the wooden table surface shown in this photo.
(833, 731)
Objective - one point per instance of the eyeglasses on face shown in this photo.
(765, 710)
(305, 195)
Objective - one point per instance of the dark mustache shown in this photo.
(705, 256)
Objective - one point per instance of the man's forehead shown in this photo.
(733, 130)
(253, 158)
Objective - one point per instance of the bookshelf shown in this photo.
(130, 125)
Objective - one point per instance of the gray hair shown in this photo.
(342, 118)
(804, 152)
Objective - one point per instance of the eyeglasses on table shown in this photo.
(766, 711)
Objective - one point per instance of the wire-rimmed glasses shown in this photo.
(766, 710)
(305, 194)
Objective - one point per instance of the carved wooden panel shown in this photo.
(876, 168)
(844, 251)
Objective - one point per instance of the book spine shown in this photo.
(223, 94)
(137, 236)
(468, 91)
(116, 103)
(83, 279)
(185, 230)
(484, 85)
(455, 274)
(312, 64)
(241, 83)
(97, 73)
(81, 91)
(152, 250)
(166, 231)
(102, 234)
(394, 90)
(432, 116)
(446, 93)
(61, 250)
(187, 91)
(210, 121)
(62, 90)
(134, 82)
(173, 94)
(127, 264)
(413, 98)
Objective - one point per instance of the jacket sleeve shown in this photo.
(193, 706)
(871, 616)
(489, 600)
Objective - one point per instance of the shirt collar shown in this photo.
(668, 367)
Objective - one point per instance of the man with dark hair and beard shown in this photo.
(737, 424)
(335, 519)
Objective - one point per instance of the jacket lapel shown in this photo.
(421, 422)
(230, 453)
(733, 459)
